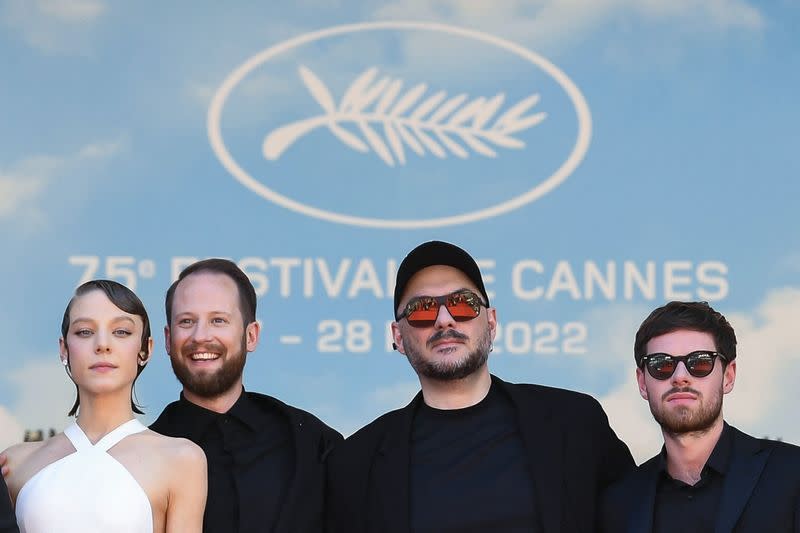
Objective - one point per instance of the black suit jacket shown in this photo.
(761, 491)
(302, 512)
(572, 451)
(8, 520)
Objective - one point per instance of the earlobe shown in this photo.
(252, 334)
(144, 357)
(62, 350)
(729, 377)
(640, 381)
(167, 340)
(397, 337)
(491, 314)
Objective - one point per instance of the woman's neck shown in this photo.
(98, 415)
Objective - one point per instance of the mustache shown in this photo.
(446, 334)
(202, 347)
(675, 390)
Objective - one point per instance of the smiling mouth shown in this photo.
(204, 356)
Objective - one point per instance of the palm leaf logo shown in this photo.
(390, 120)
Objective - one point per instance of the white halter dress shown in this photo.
(86, 491)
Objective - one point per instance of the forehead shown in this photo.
(437, 280)
(681, 342)
(205, 291)
(95, 305)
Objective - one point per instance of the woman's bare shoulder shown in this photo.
(19, 453)
(24, 460)
(177, 448)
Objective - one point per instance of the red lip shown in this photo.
(98, 366)
(681, 396)
(446, 343)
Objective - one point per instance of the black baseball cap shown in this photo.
(436, 253)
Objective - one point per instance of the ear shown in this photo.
(729, 377)
(397, 337)
(146, 357)
(252, 333)
(167, 340)
(640, 380)
(491, 316)
(62, 350)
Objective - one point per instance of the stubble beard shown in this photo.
(449, 370)
(684, 419)
(210, 384)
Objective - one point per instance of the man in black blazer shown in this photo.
(8, 521)
(470, 453)
(709, 475)
(266, 459)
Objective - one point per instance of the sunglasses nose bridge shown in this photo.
(443, 317)
(681, 373)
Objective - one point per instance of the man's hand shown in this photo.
(4, 464)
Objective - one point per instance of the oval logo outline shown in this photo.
(574, 159)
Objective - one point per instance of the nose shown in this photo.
(202, 332)
(681, 374)
(102, 346)
(444, 320)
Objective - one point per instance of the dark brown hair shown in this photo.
(247, 294)
(695, 316)
(127, 301)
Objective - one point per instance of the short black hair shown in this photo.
(247, 293)
(695, 316)
(126, 300)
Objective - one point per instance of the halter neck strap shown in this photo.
(81, 442)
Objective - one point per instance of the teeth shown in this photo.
(204, 356)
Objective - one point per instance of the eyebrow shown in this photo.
(445, 294)
(217, 312)
(115, 319)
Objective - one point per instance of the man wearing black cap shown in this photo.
(470, 452)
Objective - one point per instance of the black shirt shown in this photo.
(692, 508)
(469, 472)
(250, 462)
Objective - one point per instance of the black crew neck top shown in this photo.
(469, 470)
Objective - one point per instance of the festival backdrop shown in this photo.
(599, 158)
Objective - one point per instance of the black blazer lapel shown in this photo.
(544, 447)
(389, 482)
(747, 462)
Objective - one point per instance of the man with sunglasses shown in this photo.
(470, 452)
(709, 475)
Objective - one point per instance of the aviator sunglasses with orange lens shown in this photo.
(699, 363)
(421, 312)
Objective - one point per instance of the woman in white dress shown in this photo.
(107, 472)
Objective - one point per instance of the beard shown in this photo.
(684, 419)
(209, 384)
(449, 370)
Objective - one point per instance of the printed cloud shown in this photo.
(25, 181)
(53, 26)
